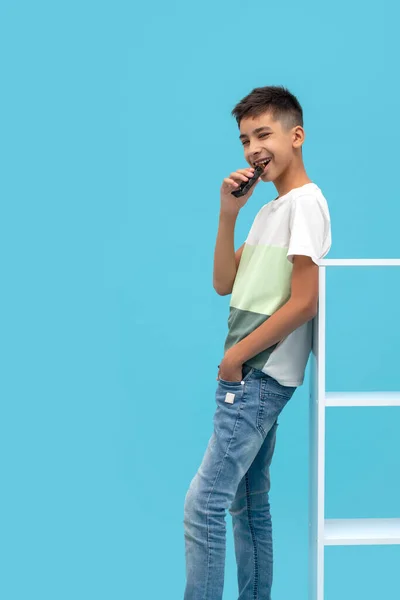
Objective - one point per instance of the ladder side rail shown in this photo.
(317, 449)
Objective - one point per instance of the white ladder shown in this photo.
(340, 532)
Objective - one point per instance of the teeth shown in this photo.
(263, 162)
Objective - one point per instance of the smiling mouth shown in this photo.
(264, 163)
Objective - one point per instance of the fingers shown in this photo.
(241, 175)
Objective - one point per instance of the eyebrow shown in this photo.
(255, 131)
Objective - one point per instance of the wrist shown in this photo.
(234, 356)
(228, 215)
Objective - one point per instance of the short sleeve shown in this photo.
(310, 228)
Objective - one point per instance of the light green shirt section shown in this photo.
(262, 283)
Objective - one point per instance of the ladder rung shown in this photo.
(345, 532)
(362, 399)
(359, 262)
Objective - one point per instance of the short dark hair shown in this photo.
(277, 100)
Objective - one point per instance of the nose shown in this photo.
(254, 156)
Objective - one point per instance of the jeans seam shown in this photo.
(209, 496)
(248, 501)
(260, 412)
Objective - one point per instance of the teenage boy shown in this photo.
(273, 279)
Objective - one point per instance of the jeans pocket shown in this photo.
(271, 387)
(273, 399)
(236, 383)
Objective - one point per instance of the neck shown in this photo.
(295, 176)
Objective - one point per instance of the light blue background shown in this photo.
(116, 134)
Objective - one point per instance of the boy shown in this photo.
(273, 278)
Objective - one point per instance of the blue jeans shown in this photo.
(234, 474)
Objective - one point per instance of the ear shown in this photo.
(299, 136)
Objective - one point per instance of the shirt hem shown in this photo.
(288, 383)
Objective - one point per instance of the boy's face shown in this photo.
(273, 142)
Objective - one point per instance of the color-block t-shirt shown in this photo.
(295, 223)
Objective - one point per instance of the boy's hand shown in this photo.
(230, 368)
(229, 203)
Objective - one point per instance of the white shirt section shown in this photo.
(299, 221)
(271, 225)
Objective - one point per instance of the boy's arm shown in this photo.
(225, 259)
(301, 307)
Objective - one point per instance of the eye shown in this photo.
(261, 135)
